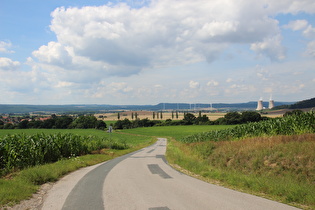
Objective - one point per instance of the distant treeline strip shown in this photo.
(58, 122)
(310, 103)
(231, 118)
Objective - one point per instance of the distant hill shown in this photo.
(95, 108)
(309, 103)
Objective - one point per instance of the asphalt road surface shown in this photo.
(143, 180)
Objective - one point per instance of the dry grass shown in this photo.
(149, 115)
(280, 168)
(277, 155)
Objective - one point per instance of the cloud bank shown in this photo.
(95, 44)
(120, 40)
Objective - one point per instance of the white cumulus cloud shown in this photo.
(144, 51)
(54, 53)
(6, 64)
(212, 83)
(296, 25)
(194, 84)
(119, 40)
(311, 49)
(5, 46)
(270, 47)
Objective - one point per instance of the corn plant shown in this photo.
(290, 125)
(20, 150)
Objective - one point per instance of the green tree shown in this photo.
(189, 119)
(153, 115)
(23, 124)
(49, 123)
(84, 122)
(250, 116)
(118, 115)
(63, 122)
(202, 119)
(100, 124)
(123, 124)
(8, 126)
(233, 118)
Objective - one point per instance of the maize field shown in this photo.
(289, 125)
(20, 151)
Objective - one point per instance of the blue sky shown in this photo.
(149, 52)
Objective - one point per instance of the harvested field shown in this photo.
(149, 115)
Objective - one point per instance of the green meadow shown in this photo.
(175, 132)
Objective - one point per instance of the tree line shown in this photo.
(90, 121)
(58, 122)
(230, 118)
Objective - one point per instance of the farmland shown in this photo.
(112, 117)
(273, 158)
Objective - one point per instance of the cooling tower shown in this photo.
(271, 104)
(259, 105)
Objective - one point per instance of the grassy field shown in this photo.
(175, 131)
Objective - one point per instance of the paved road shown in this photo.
(143, 180)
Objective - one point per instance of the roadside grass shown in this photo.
(280, 168)
(21, 184)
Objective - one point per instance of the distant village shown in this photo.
(8, 121)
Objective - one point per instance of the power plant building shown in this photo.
(259, 105)
(271, 104)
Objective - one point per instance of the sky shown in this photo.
(138, 52)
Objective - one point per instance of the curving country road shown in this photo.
(143, 180)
